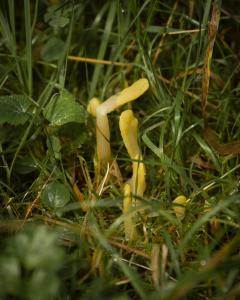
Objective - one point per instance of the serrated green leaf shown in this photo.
(55, 195)
(63, 109)
(14, 109)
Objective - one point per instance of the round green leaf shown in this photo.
(55, 195)
(14, 109)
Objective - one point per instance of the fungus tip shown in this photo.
(133, 91)
(92, 106)
(179, 206)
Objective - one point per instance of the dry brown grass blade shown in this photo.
(80, 197)
(223, 149)
(128, 248)
(36, 200)
(213, 76)
(209, 134)
(155, 265)
(201, 163)
(169, 82)
(212, 32)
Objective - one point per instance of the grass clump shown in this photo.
(62, 224)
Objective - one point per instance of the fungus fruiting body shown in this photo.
(96, 109)
(92, 106)
(101, 110)
(129, 130)
(136, 185)
(179, 207)
(128, 125)
(138, 180)
(129, 224)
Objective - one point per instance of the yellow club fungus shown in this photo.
(138, 180)
(129, 130)
(92, 106)
(102, 110)
(179, 207)
(129, 224)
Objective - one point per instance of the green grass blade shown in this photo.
(103, 47)
(28, 30)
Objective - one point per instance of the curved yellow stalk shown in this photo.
(102, 130)
(129, 94)
(138, 180)
(129, 130)
(101, 110)
(129, 224)
(103, 138)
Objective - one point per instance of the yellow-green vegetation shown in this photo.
(119, 150)
(179, 207)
